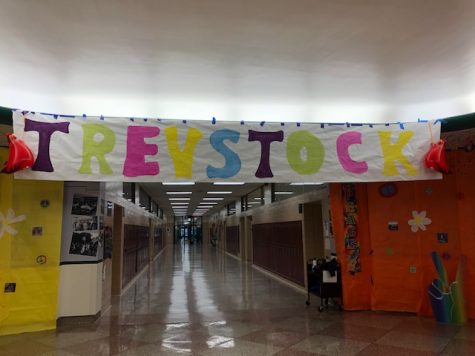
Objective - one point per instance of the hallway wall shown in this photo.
(271, 215)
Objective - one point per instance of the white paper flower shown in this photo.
(419, 221)
(6, 221)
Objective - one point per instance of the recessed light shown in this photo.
(178, 183)
(179, 203)
(228, 183)
(206, 206)
(222, 192)
(209, 203)
(257, 198)
(217, 198)
(283, 193)
(179, 199)
(179, 193)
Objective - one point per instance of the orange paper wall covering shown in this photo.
(396, 265)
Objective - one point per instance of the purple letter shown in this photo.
(45, 130)
(265, 138)
(137, 149)
(343, 142)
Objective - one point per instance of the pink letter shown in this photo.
(137, 149)
(343, 142)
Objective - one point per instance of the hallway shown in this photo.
(197, 300)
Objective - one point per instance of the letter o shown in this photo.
(315, 152)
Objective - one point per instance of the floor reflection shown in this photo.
(196, 300)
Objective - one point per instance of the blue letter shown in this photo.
(232, 161)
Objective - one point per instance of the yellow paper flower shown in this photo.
(6, 221)
(419, 221)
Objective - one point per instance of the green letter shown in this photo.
(93, 148)
(314, 148)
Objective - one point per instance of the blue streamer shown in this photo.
(213, 121)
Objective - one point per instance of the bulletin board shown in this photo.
(30, 236)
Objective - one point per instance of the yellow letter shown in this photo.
(393, 153)
(182, 159)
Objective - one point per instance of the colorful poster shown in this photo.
(140, 150)
(350, 212)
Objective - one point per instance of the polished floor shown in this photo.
(196, 300)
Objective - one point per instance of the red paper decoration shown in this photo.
(435, 157)
(19, 155)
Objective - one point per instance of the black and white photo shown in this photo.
(84, 205)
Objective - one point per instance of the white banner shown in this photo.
(140, 150)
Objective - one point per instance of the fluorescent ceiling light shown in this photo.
(179, 198)
(306, 183)
(253, 202)
(217, 198)
(257, 198)
(206, 206)
(208, 203)
(222, 192)
(179, 193)
(178, 203)
(228, 183)
(178, 183)
(283, 193)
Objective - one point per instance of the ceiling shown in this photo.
(273, 60)
(189, 197)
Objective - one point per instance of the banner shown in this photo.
(141, 150)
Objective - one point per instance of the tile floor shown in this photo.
(196, 300)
